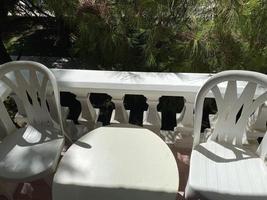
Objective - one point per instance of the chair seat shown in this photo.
(223, 171)
(29, 153)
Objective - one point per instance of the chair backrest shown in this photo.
(235, 104)
(29, 81)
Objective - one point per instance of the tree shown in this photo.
(6, 6)
(160, 35)
(125, 35)
(228, 35)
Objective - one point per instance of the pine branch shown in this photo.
(34, 7)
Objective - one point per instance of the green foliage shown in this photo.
(228, 35)
(126, 35)
(167, 35)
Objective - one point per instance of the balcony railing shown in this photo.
(118, 84)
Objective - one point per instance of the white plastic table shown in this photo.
(117, 163)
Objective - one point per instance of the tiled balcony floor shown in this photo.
(39, 190)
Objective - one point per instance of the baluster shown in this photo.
(120, 115)
(87, 119)
(186, 125)
(89, 114)
(152, 119)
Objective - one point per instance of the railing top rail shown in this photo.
(117, 82)
(129, 80)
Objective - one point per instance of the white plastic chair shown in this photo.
(222, 167)
(31, 152)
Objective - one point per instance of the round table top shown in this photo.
(117, 163)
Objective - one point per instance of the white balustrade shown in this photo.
(117, 84)
(151, 85)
